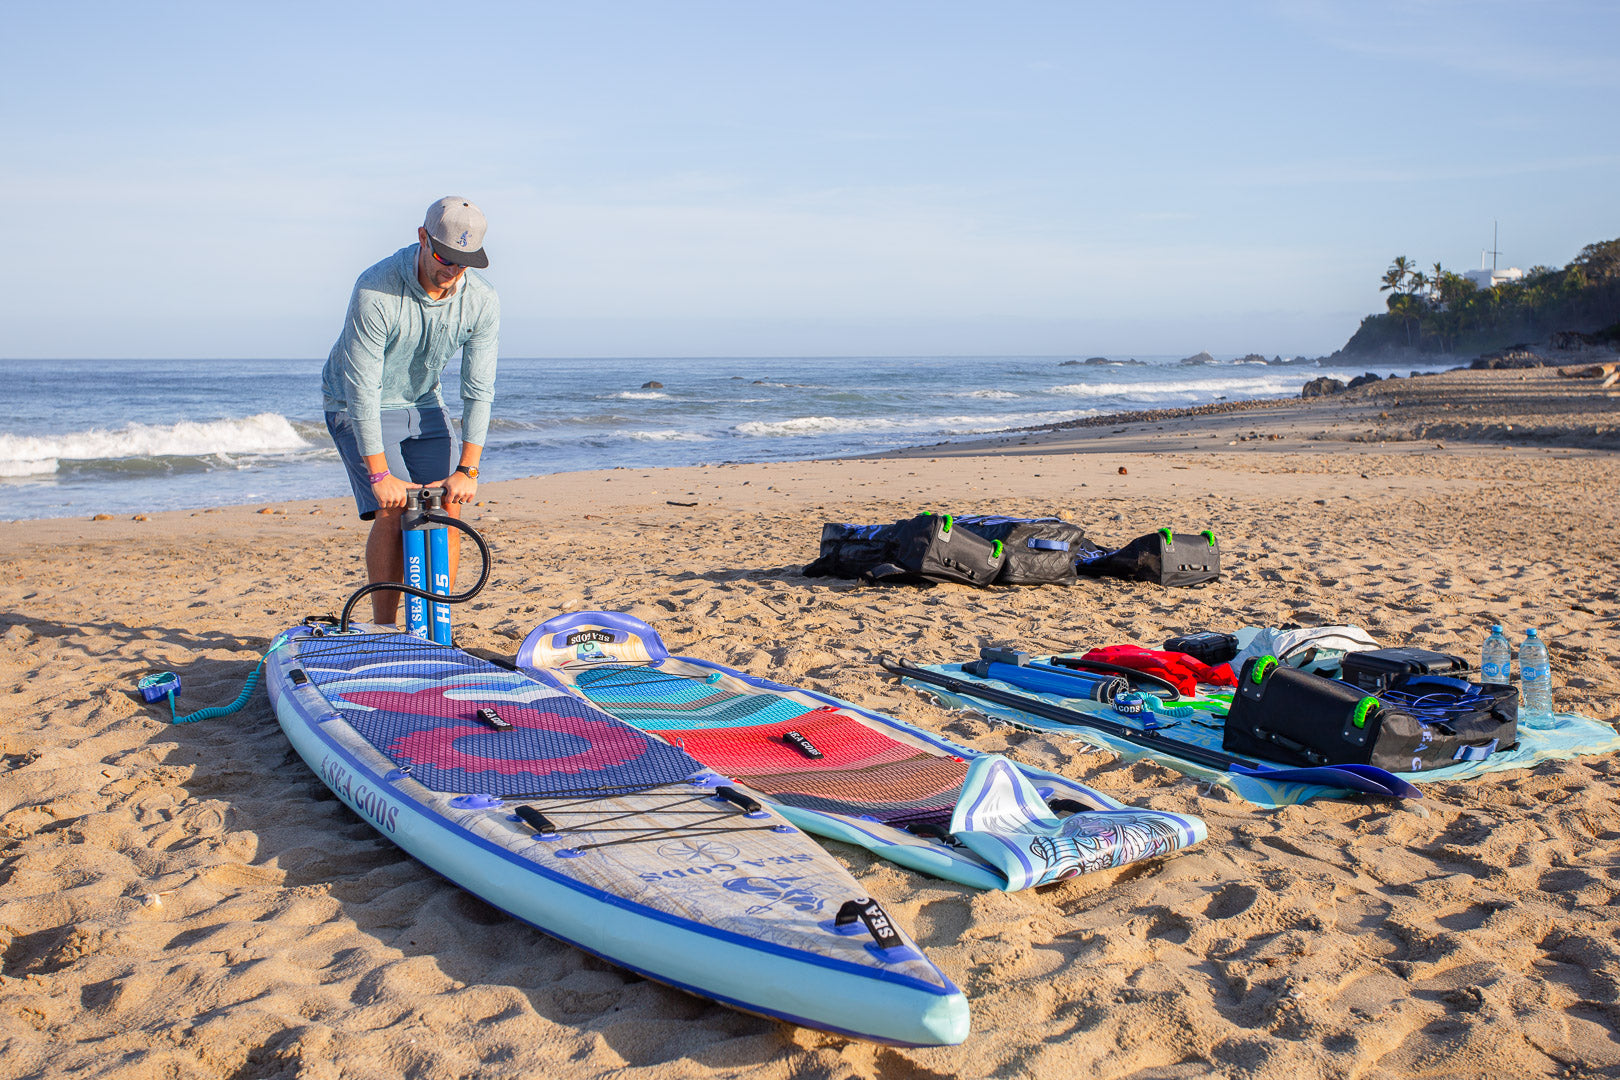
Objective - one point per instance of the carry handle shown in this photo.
(876, 920)
(1038, 544)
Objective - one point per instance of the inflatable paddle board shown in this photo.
(848, 774)
(599, 835)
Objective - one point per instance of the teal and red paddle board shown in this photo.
(849, 774)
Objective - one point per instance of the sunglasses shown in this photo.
(444, 262)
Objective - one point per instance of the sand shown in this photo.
(191, 902)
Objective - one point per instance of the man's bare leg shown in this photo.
(385, 561)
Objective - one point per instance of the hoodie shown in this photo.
(396, 342)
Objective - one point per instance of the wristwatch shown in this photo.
(471, 471)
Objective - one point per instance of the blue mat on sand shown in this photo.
(1563, 736)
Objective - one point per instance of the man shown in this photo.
(408, 315)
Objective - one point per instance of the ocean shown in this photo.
(81, 437)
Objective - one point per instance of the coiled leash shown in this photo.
(166, 684)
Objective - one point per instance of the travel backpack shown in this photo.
(1293, 717)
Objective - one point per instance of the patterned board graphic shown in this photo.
(417, 703)
(854, 776)
(657, 701)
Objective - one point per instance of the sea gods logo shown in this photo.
(367, 801)
(587, 645)
(600, 636)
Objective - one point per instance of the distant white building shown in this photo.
(1489, 278)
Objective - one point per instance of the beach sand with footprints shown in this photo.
(190, 901)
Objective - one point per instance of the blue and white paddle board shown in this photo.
(600, 835)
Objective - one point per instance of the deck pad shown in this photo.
(861, 771)
(417, 703)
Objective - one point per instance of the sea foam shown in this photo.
(931, 425)
(40, 455)
(1248, 386)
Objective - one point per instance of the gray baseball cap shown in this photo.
(455, 228)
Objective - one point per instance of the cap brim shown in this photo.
(475, 259)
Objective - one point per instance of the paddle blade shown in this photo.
(1366, 779)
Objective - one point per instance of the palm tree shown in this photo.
(1418, 282)
(1405, 308)
(1395, 276)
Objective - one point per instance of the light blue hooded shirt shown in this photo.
(396, 341)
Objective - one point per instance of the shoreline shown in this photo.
(153, 867)
(1504, 408)
(169, 470)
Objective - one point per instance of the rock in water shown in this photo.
(1322, 386)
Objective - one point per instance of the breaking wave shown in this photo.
(133, 444)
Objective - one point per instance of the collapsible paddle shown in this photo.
(1363, 778)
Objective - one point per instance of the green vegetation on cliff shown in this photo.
(1444, 312)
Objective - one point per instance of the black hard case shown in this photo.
(1377, 669)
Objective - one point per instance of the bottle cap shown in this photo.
(1496, 628)
(1530, 632)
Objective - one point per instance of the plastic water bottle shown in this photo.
(1535, 675)
(1496, 658)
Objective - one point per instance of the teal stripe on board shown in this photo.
(655, 701)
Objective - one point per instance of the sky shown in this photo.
(776, 178)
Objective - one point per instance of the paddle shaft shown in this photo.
(1198, 755)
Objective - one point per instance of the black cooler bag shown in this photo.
(1040, 551)
(1165, 557)
(1293, 717)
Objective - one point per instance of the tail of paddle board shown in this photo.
(848, 774)
(597, 834)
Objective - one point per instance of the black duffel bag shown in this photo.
(851, 551)
(1040, 551)
(1165, 557)
(1293, 717)
(930, 547)
(926, 549)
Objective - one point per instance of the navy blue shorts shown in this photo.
(418, 443)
